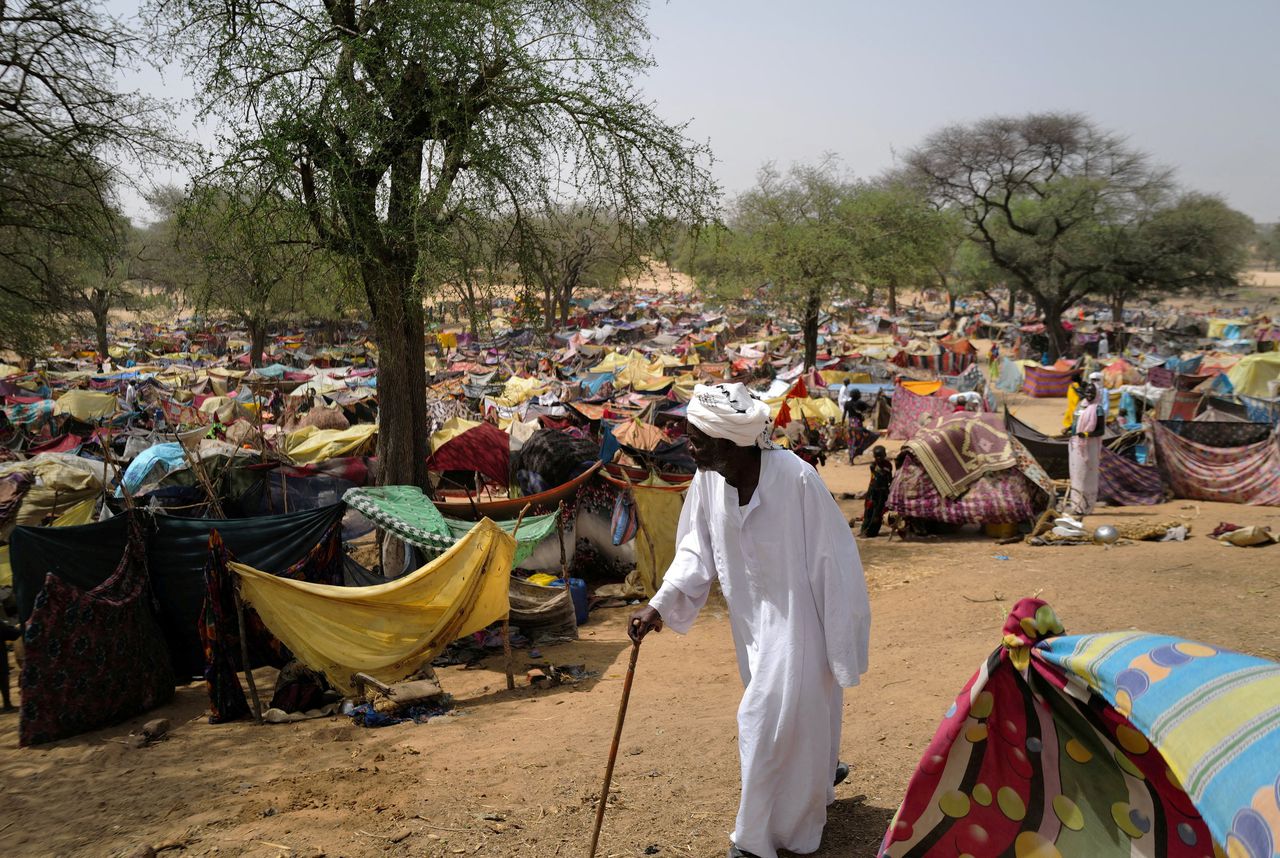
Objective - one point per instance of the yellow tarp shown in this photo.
(1251, 374)
(1218, 327)
(87, 405)
(659, 512)
(61, 481)
(318, 445)
(840, 376)
(923, 388)
(518, 389)
(452, 428)
(81, 513)
(7, 370)
(388, 630)
(822, 410)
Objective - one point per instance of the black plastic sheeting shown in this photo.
(177, 549)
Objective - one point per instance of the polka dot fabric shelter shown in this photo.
(1122, 744)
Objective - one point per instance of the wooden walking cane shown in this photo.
(613, 749)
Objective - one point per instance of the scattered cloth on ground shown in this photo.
(1121, 744)
(389, 630)
(1248, 537)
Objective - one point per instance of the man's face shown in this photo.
(709, 454)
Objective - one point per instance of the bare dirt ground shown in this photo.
(516, 773)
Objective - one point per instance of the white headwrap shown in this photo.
(730, 411)
(1095, 376)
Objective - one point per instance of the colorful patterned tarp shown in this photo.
(1044, 381)
(911, 411)
(1123, 744)
(1249, 474)
(1123, 482)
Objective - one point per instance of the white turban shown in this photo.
(1095, 376)
(730, 411)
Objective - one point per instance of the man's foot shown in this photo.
(735, 852)
(842, 772)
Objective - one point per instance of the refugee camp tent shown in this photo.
(176, 554)
(967, 469)
(1116, 744)
(1047, 381)
(1248, 474)
(1255, 374)
(390, 630)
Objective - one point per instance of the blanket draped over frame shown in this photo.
(960, 449)
(388, 630)
(1249, 474)
(1120, 744)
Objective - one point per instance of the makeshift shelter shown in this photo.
(912, 409)
(1124, 482)
(1256, 375)
(1102, 745)
(409, 514)
(390, 630)
(482, 448)
(176, 554)
(969, 470)
(86, 405)
(1248, 474)
(1047, 381)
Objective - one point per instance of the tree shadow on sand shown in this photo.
(854, 829)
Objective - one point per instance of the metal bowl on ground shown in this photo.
(1105, 534)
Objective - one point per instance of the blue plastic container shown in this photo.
(578, 593)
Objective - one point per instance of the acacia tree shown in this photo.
(1189, 243)
(250, 249)
(64, 130)
(900, 237)
(1036, 192)
(572, 247)
(788, 233)
(386, 119)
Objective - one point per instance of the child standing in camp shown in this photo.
(877, 492)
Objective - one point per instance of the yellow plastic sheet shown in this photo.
(318, 445)
(86, 405)
(1251, 375)
(388, 630)
(658, 508)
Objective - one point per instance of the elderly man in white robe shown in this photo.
(760, 520)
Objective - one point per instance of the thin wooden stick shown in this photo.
(613, 749)
(506, 621)
(564, 561)
(244, 654)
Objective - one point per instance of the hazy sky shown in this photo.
(1196, 84)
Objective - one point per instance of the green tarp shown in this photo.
(408, 513)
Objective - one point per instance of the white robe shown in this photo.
(798, 608)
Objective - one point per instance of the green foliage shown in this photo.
(249, 254)
(1066, 209)
(390, 120)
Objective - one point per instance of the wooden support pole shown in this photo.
(244, 656)
(506, 621)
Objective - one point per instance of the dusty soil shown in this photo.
(516, 773)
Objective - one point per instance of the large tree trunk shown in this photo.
(100, 312)
(812, 309)
(893, 298)
(1059, 341)
(257, 342)
(1117, 319)
(1013, 303)
(399, 328)
(951, 303)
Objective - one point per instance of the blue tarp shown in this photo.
(166, 458)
